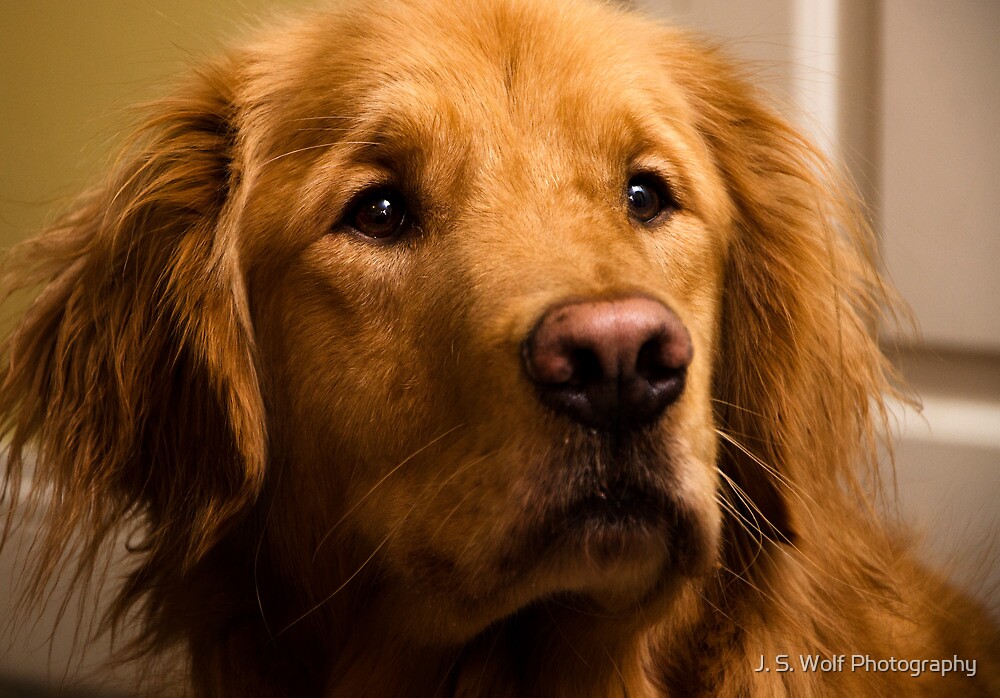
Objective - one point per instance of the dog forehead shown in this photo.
(533, 64)
(491, 80)
(503, 31)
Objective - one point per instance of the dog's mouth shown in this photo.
(606, 504)
(617, 522)
(616, 541)
(618, 506)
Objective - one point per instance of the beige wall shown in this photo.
(69, 73)
(939, 184)
(940, 154)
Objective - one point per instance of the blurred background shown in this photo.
(904, 92)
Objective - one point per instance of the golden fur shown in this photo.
(341, 473)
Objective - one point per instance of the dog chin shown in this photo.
(613, 568)
(603, 524)
(626, 578)
(625, 552)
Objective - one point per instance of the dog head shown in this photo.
(453, 310)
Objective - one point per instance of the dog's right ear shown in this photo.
(130, 386)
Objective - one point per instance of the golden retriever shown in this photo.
(505, 348)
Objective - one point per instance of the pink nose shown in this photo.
(609, 364)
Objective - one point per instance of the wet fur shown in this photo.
(345, 485)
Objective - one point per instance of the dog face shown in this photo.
(426, 227)
(445, 313)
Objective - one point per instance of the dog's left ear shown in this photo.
(799, 377)
(131, 381)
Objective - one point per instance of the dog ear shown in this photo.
(129, 387)
(799, 376)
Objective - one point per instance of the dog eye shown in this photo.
(647, 198)
(379, 214)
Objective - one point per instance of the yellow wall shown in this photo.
(70, 71)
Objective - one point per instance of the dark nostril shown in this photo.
(649, 364)
(610, 363)
(585, 367)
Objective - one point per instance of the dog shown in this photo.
(503, 348)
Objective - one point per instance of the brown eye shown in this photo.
(379, 214)
(647, 198)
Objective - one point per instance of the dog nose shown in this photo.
(609, 364)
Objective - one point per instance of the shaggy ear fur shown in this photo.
(133, 373)
(799, 377)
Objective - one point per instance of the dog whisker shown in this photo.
(315, 147)
(798, 492)
(558, 628)
(321, 118)
(336, 591)
(378, 484)
(746, 410)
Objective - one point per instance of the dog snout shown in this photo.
(609, 364)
